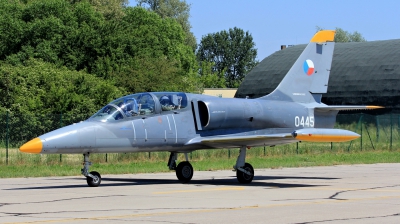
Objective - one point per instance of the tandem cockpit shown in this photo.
(147, 104)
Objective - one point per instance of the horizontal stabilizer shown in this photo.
(338, 108)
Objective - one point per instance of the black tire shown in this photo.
(91, 182)
(244, 178)
(184, 171)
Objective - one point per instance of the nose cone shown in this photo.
(33, 146)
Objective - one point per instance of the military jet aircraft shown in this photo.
(179, 122)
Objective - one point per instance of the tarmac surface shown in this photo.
(335, 194)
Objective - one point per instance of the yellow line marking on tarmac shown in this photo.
(324, 201)
(202, 190)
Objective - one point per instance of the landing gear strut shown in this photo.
(93, 178)
(244, 171)
(184, 170)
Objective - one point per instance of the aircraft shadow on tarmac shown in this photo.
(259, 181)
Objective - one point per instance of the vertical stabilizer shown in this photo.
(309, 75)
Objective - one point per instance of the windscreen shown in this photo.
(118, 109)
(145, 104)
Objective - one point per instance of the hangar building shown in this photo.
(362, 73)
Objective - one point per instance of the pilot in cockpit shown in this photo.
(129, 108)
(166, 103)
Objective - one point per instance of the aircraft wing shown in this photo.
(238, 141)
(334, 108)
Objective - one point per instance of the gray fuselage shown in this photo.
(171, 130)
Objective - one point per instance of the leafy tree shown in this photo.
(345, 36)
(157, 74)
(54, 31)
(39, 87)
(342, 36)
(76, 34)
(210, 79)
(176, 9)
(110, 8)
(232, 53)
(70, 57)
(144, 39)
(11, 27)
(42, 97)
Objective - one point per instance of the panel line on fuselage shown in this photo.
(134, 131)
(169, 125)
(176, 131)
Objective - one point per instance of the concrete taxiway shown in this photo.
(335, 194)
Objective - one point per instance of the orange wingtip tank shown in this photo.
(324, 135)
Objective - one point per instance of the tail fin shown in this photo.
(309, 75)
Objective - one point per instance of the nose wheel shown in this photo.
(93, 178)
(93, 182)
(184, 170)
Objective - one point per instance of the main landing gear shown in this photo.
(184, 170)
(244, 171)
(93, 178)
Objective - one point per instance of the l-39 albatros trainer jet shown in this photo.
(179, 122)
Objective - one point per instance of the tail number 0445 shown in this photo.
(304, 121)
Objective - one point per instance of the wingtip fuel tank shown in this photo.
(324, 135)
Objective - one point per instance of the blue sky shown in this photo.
(290, 22)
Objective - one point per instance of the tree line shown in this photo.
(74, 56)
(60, 56)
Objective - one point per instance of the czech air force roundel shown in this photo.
(308, 67)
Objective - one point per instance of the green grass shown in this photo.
(140, 162)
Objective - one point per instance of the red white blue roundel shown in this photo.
(308, 67)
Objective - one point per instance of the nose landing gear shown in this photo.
(93, 178)
(184, 170)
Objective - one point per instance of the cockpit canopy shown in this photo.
(146, 104)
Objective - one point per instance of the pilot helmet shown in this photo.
(164, 100)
